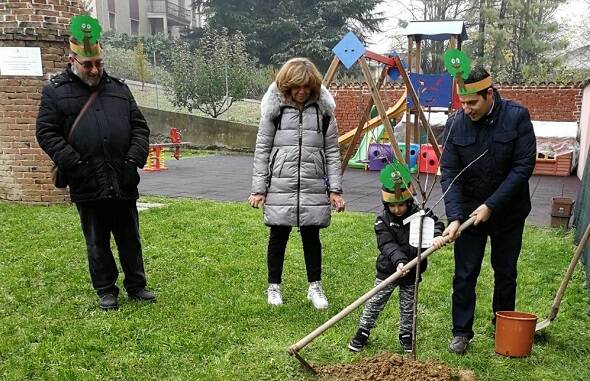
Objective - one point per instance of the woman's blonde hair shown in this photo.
(299, 72)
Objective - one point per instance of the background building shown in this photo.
(144, 17)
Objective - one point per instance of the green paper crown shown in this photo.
(85, 30)
(457, 63)
(395, 174)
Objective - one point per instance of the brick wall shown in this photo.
(545, 102)
(25, 170)
(561, 103)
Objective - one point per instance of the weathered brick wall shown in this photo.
(25, 170)
(548, 102)
(545, 102)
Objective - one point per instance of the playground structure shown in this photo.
(155, 161)
(432, 93)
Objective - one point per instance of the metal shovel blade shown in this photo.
(542, 324)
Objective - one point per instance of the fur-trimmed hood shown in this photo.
(273, 100)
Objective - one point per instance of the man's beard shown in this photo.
(90, 81)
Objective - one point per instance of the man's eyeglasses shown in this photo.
(88, 65)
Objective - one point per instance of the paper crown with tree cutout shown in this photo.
(85, 37)
(458, 64)
(395, 178)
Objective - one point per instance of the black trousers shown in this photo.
(99, 219)
(506, 242)
(312, 252)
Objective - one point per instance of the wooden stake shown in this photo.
(362, 122)
(418, 62)
(331, 73)
(381, 109)
(453, 42)
(410, 51)
(418, 108)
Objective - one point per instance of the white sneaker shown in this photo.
(315, 293)
(274, 294)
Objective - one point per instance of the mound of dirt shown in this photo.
(388, 366)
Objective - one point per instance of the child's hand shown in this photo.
(438, 242)
(453, 230)
(400, 267)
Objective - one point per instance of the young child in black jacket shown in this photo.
(394, 252)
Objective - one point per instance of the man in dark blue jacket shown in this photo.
(487, 160)
(99, 162)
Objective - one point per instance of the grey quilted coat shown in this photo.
(295, 164)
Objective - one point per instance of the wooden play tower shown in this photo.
(350, 51)
(417, 32)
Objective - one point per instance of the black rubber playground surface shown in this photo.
(228, 177)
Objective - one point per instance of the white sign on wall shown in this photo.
(20, 61)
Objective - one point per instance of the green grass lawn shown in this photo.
(245, 112)
(206, 261)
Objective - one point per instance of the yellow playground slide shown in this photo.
(393, 112)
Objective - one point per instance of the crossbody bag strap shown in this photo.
(81, 113)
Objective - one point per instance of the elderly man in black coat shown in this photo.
(99, 162)
(492, 141)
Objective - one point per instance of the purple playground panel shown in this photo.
(380, 154)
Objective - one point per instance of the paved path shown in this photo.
(227, 178)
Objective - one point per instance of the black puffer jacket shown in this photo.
(109, 143)
(393, 241)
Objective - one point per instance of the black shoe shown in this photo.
(359, 340)
(142, 294)
(406, 342)
(459, 345)
(108, 302)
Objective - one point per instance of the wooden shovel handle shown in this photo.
(568, 274)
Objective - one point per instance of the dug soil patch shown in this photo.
(388, 366)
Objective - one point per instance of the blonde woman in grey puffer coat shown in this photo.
(297, 176)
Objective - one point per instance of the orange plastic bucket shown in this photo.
(514, 333)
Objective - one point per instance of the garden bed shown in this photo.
(387, 366)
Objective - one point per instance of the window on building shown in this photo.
(134, 16)
(111, 7)
(112, 21)
(134, 27)
(134, 9)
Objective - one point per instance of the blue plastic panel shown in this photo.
(349, 49)
(433, 90)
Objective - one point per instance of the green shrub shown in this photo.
(119, 63)
(212, 77)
